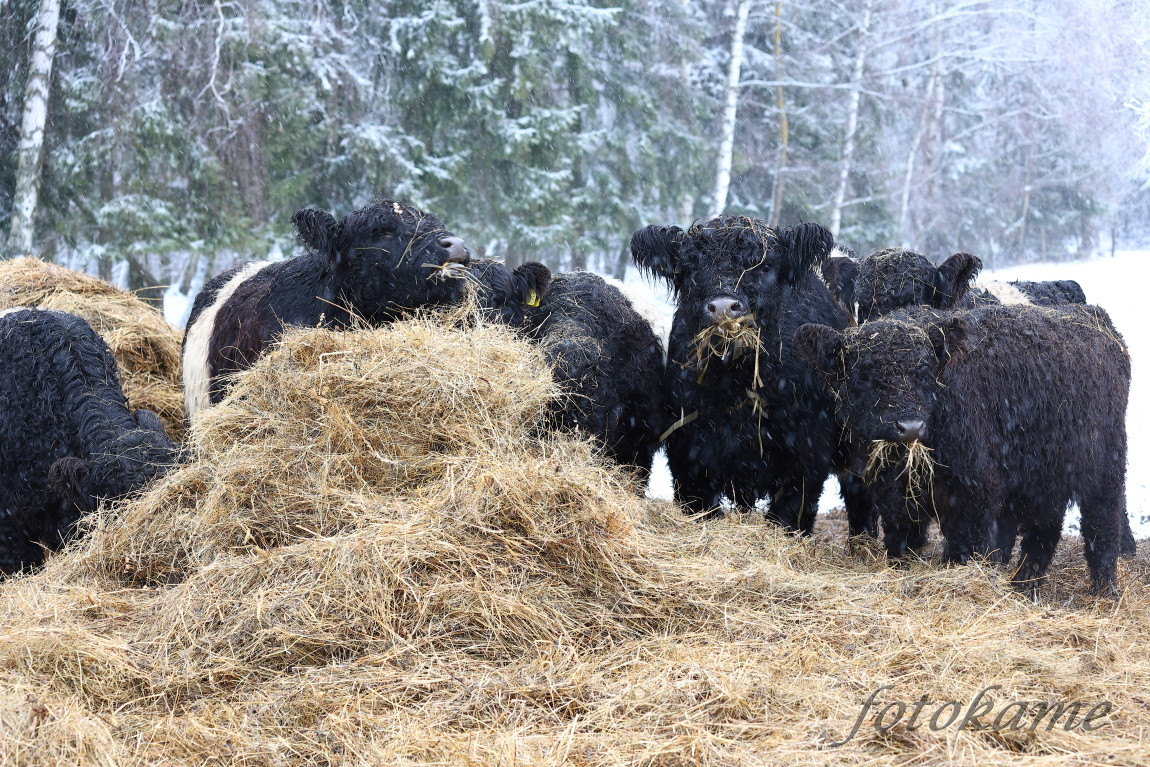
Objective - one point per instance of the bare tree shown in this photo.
(32, 128)
(848, 150)
(784, 128)
(727, 129)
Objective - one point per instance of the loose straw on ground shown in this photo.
(377, 556)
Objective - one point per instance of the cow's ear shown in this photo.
(950, 338)
(819, 346)
(801, 247)
(148, 420)
(531, 282)
(841, 274)
(70, 479)
(655, 250)
(953, 279)
(319, 231)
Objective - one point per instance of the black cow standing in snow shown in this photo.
(746, 417)
(67, 438)
(608, 359)
(375, 263)
(1023, 409)
(894, 279)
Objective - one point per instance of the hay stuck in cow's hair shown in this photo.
(146, 347)
(375, 556)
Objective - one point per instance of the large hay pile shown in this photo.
(146, 347)
(375, 557)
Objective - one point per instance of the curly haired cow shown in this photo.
(1023, 409)
(67, 438)
(375, 263)
(746, 417)
(506, 294)
(897, 278)
(608, 360)
(602, 350)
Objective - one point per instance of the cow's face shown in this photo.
(729, 269)
(126, 464)
(895, 279)
(387, 257)
(506, 294)
(884, 375)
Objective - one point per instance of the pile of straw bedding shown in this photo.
(146, 347)
(376, 555)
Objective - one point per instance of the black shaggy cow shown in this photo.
(374, 263)
(897, 278)
(1023, 409)
(608, 360)
(1050, 292)
(603, 352)
(747, 417)
(67, 438)
(507, 294)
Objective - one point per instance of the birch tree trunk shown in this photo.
(784, 128)
(908, 177)
(727, 144)
(32, 129)
(852, 122)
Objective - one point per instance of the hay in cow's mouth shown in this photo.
(452, 270)
(727, 340)
(918, 468)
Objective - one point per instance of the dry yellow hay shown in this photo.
(917, 464)
(375, 556)
(146, 347)
(727, 341)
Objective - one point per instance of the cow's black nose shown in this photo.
(456, 251)
(909, 431)
(720, 309)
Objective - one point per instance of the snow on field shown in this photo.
(1114, 284)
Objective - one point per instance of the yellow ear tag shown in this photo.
(532, 298)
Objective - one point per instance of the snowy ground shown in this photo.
(1114, 284)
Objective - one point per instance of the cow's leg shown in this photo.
(696, 483)
(1104, 525)
(795, 499)
(861, 517)
(1035, 550)
(1006, 532)
(968, 528)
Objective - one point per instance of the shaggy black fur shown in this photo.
(1051, 292)
(376, 263)
(67, 438)
(1024, 408)
(506, 294)
(772, 437)
(841, 276)
(608, 359)
(897, 278)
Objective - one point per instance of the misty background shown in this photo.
(179, 137)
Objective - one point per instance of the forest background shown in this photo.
(180, 136)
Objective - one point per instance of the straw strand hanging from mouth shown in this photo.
(919, 468)
(728, 340)
(452, 270)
